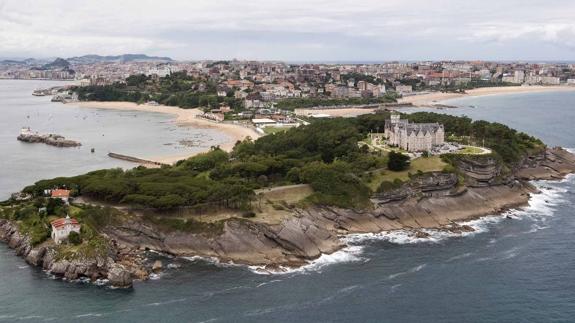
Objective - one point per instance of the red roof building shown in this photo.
(62, 194)
(61, 228)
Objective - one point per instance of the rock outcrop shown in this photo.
(552, 164)
(46, 257)
(50, 139)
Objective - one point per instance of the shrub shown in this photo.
(397, 161)
(74, 238)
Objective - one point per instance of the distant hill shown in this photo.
(58, 63)
(88, 59)
(28, 61)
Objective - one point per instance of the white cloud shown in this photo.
(297, 29)
(558, 33)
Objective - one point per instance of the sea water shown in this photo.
(509, 270)
(139, 134)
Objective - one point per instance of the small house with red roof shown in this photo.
(62, 194)
(61, 228)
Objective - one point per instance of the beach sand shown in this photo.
(183, 117)
(346, 113)
(432, 98)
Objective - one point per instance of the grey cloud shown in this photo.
(292, 30)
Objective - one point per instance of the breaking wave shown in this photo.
(345, 255)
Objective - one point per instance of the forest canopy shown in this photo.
(325, 154)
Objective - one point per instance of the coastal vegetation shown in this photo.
(178, 89)
(325, 154)
(34, 216)
(297, 103)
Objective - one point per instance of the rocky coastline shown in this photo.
(433, 201)
(119, 268)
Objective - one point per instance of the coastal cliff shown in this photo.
(432, 201)
(118, 268)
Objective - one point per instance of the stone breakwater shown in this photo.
(120, 267)
(49, 139)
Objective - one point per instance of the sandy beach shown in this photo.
(183, 117)
(432, 98)
(346, 113)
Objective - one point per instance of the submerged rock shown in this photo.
(157, 266)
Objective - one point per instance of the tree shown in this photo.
(397, 161)
(74, 238)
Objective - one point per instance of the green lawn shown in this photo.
(470, 150)
(429, 164)
(270, 130)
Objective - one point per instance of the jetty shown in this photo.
(136, 160)
(27, 135)
(49, 91)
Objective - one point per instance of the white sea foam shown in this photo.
(213, 261)
(269, 282)
(345, 255)
(89, 315)
(395, 287)
(465, 255)
(101, 282)
(410, 271)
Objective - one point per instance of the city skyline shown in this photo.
(317, 30)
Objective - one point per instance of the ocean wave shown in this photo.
(178, 300)
(465, 255)
(410, 271)
(269, 282)
(345, 255)
(89, 315)
(511, 253)
(395, 287)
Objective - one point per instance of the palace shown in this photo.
(413, 136)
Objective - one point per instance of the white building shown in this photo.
(403, 89)
(519, 77)
(61, 228)
(413, 136)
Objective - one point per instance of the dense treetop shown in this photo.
(325, 154)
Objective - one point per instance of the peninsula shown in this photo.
(283, 199)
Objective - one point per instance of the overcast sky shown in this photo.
(295, 30)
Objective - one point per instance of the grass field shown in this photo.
(270, 130)
(275, 202)
(429, 164)
(470, 150)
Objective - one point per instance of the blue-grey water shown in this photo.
(140, 134)
(518, 270)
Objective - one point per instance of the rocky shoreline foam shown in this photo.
(433, 202)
